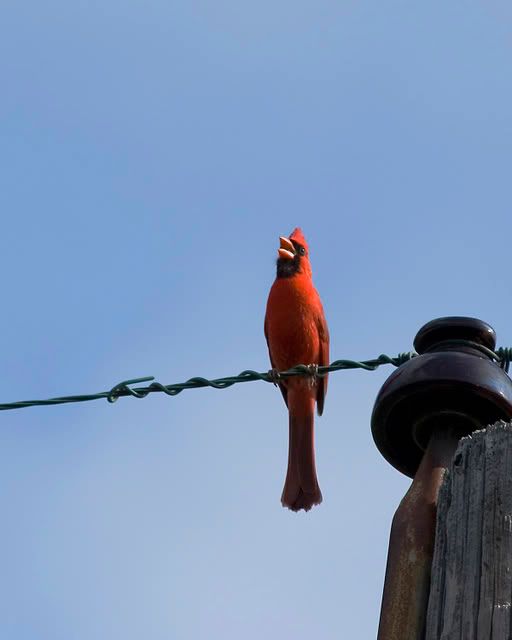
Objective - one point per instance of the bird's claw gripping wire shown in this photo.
(313, 374)
(274, 376)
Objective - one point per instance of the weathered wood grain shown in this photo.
(471, 580)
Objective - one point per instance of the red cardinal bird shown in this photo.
(296, 333)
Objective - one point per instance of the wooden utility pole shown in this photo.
(454, 387)
(471, 578)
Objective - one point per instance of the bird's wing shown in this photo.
(323, 361)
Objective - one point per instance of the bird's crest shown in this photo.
(298, 236)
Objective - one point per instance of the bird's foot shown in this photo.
(313, 374)
(274, 376)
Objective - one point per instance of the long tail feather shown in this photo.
(301, 489)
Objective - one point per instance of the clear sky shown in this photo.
(151, 155)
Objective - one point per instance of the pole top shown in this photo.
(452, 384)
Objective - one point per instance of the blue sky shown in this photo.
(151, 155)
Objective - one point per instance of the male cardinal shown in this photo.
(296, 333)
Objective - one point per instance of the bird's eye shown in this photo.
(302, 251)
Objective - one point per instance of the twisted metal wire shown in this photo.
(503, 357)
(125, 388)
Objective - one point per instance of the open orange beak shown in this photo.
(286, 250)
